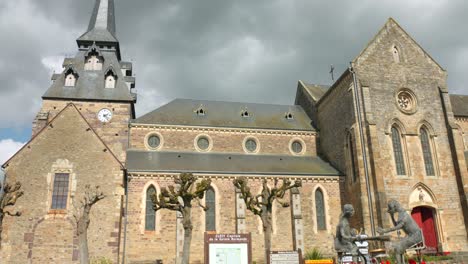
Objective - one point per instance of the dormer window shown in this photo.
(289, 116)
(245, 113)
(70, 80)
(93, 63)
(110, 78)
(70, 77)
(93, 59)
(200, 111)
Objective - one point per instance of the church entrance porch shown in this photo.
(425, 218)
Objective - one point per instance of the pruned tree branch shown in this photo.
(11, 193)
(179, 197)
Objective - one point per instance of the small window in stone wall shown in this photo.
(296, 147)
(60, 191)
(251, 145)
(320, 210)
(203, 143)
(396, 54)
(154, 141)
(427, 154)
(150, 213)
(398, 152)
(210, 213)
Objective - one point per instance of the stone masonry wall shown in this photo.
(114, 133)
(145, 246)
(381, 78)
(42, 235)
(223, 140)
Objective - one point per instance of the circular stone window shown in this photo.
(203, 143)
(251, 145)
(154, 141)
(296, 147)
(406, 101)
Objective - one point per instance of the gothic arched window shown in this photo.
(396, 54)
(93, 63)
(320, 210)
(398, 152)
(150, 213)
(426, 150)
(210, 214)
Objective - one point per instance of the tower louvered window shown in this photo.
(150, 215)
(320, 210)
(398, 152)
(210, 214)
(427, 154)
(60, 191)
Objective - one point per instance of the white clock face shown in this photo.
(105, 115)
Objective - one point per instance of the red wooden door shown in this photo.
(424, 217)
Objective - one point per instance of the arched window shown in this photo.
(110, 81)
(93, 63)
(320, 210)
(352, 157)
(70, 80)
(426, 149)
(150, 214)
(396, 54)
(398, 152)
(210, 214)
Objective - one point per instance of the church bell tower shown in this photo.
(97, 81)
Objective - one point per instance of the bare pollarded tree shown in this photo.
(82, 218)
(8, 198)
(262, 204)
(179, 198)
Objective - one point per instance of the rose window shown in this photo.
(406, 101)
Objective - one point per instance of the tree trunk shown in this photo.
(1, 227)
(267, 230)
(187, 223)
(82, 232)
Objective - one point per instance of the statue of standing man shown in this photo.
(409, 226)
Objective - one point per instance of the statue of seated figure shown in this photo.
(409, 226)
(345, 235)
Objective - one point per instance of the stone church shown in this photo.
(386, 129)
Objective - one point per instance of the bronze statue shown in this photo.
(345, 235)
(409, 226)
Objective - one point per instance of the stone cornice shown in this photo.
(311, 178)
(224, 129)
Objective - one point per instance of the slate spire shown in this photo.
(101, 29)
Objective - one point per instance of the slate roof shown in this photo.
(316, 90)
(228, 114)
(90, 85)
(459, 104)
(102, 23)
(227, 163)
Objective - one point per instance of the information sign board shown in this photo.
(228, 249)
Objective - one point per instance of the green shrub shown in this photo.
(436, 258)
(101, 260)
(313, 254)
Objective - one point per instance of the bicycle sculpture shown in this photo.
(409, 226)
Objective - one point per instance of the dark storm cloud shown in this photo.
(252, 51)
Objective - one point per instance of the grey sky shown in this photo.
(252, 51)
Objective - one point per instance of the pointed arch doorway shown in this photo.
(425, 218)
